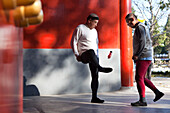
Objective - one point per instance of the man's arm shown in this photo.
(74, 43)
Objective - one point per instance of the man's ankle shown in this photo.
(142, 99)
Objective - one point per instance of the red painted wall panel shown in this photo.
(10, 64)
(61, 17)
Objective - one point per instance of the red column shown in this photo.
(126, 45)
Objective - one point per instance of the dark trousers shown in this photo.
(90, 57)
(141, 68)
(149, 72)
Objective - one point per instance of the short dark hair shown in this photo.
(93, 16)
(130, 15)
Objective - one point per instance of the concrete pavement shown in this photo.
(115, 102)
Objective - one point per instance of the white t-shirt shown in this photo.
(84, 39)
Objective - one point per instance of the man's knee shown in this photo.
(138, 78)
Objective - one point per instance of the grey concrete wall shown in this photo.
(56, 71)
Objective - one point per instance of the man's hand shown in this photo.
(78, 58)
(135, 57)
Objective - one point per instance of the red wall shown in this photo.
(10, 64)
(61, 17)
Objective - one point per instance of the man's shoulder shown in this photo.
(141, 27)
(81, 26)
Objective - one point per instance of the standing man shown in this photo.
(84, 44)
(149, 71)
(142, 55)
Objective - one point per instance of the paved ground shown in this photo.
(116, 102)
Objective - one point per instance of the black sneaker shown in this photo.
(96, 100)
(139, 103)
(105, 70)
(158, 96)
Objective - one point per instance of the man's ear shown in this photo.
(89, 21)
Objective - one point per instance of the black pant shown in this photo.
(149, 72)
(90, 57)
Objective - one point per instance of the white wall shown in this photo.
(56, 71)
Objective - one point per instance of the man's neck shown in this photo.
(86, 24)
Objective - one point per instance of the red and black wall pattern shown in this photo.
(61, 17)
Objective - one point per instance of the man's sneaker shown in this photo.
(96, 100)
(158, 96)
(105, 70)
(139, 103)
